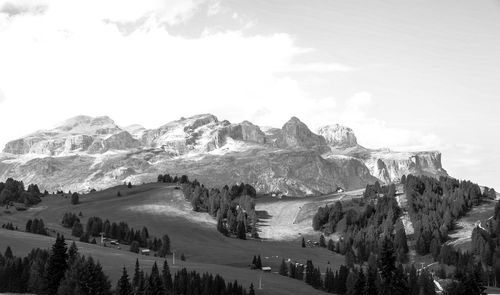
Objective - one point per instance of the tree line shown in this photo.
(119, 231)
(14, 191)
(182, 282)
(64, 271)
(383, 274)
(362, 224)
(435, 204)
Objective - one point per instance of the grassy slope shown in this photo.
(203, 246)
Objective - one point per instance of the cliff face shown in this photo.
(85, 152)
(338, 136)
(391, 166)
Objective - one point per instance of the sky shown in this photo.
(407, 75)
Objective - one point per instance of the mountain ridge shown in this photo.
(292, 160)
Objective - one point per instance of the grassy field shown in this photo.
(162, 209)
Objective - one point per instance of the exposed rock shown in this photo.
(337, 135)
(78, 142)
(296, 135)
(244, 131)
(291, 160)
(390, 166)
(18, 147)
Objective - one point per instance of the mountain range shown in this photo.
(93, 152)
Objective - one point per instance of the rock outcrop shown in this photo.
(296, 135)
(338, 136)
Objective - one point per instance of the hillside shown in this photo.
(85, 152)
(162, 209)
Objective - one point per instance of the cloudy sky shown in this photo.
(408, 75)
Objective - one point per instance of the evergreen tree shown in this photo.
(137, 275)
(75, 199)
(413, 281)
(322, 242)
(241, 230)
(426, 283)
(56, 265)
(8, 253)
(154, 284)
(303, 244)
(371, 281)
(72, 253)
(359, 287)
(393, 281)
(165, 246)
(166, 277)
(123, 287)
(251, 290)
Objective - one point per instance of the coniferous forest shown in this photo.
(64, 271)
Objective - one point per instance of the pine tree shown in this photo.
(303, 244)
(241, 230)
(75, 199)
(154, 284)
(137, 275)
(166, 277)
(371, 281)
(72, 253)
(8, 253)
(360, 283)
(56, 265)
(123, 287)
(426, 283)
(259, 262)
(393, 281)
(322, 242)
(251, 290)
(413, 281)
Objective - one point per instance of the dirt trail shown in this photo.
(293, 218)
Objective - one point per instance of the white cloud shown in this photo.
(72, 60)
(320, 68)
(373, 132)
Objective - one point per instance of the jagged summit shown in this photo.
(86, 151)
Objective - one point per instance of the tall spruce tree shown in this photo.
(124, 287)
(393, 281)
(56, 265)
(166, 277)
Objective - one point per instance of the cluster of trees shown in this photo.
(9, 226)
(362, 228)
(58, 271)
(233, 207)
(383, 274)
(256, 262)
(374, 190)
(119, 231)
(14, 191)
(485, 246)
(434, 206)
(182, 282)
(36, 226)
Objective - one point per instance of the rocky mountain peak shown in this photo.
(338, 135)
(296, 134)
(88, 125)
